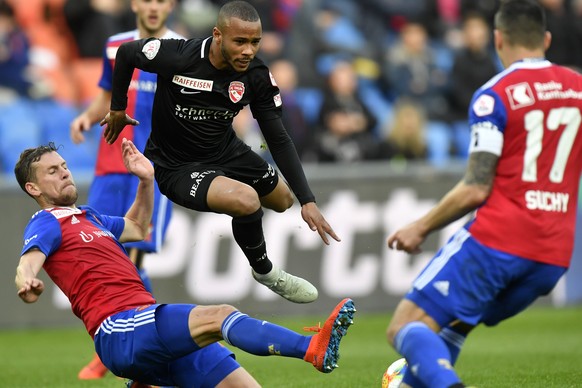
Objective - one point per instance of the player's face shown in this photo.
(152, 15)
(54, 184)
(239, 42)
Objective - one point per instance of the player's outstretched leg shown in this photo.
(323, 350)
(290, 287)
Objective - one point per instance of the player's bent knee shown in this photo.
(205, 322)
(246, 201)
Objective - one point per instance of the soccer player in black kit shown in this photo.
(199, 161)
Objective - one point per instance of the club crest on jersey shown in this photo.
(151, 48)
(520, 95)
(483, 105)
(236, 89)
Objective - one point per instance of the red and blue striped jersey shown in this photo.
(531, 211)
(86, 261)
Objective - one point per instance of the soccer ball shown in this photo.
(394, 374)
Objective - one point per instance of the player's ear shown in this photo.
(497, 39)
(216, 35)
(547, 40)
(32, 189)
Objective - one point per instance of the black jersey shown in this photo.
(195, 105)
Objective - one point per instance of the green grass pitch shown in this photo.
(540, 348)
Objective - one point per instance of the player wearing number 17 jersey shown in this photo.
(522, 179)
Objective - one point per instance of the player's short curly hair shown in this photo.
(237, 9)
(23, 170)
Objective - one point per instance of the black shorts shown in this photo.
(188, 185)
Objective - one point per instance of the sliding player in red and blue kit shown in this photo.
(522, 178)
(113, 188)
(160, 344)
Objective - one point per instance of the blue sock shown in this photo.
(454, 341)
(412, 380)
(427, 355)
(262, 338)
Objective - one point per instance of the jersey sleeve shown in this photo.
(42, 232)
(267, 104)
(487, 120)
(164, 57)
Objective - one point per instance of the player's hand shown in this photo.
(407, 239)
(311, 214)
(79, 125)
(31, 290)
(135, 162)
(115, 120)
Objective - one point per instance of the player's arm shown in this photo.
(462, 199)
(139, 216)
(28, 285)
(150, 55)
(93, 114)
(285, 155)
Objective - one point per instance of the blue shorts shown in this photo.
(152, 345)
(475, 284)
(113, 195)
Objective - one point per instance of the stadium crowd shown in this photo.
(361, 80)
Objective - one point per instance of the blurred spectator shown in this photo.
(52, 46)
(473, 66)
(346, 124)
(564, 25)
(412, 71)
(14, 54)
(301, 45)
(29, 115)
(91, 22)
(285, 74)
(406, 138)
(18, 128)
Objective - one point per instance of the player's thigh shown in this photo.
(232, 197)
(535, 280)
(459, 282)
(207, 367)
(239, 378)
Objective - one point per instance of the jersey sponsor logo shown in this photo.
(151, 48)
(30, 239)
(554, 91)
(61, 213)
(547, 201)
(198, 114)
(193, 83)
(520, 95)
(277, 100)
(484, 105)
(198, 177)
(86, 237)
(236, 90)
